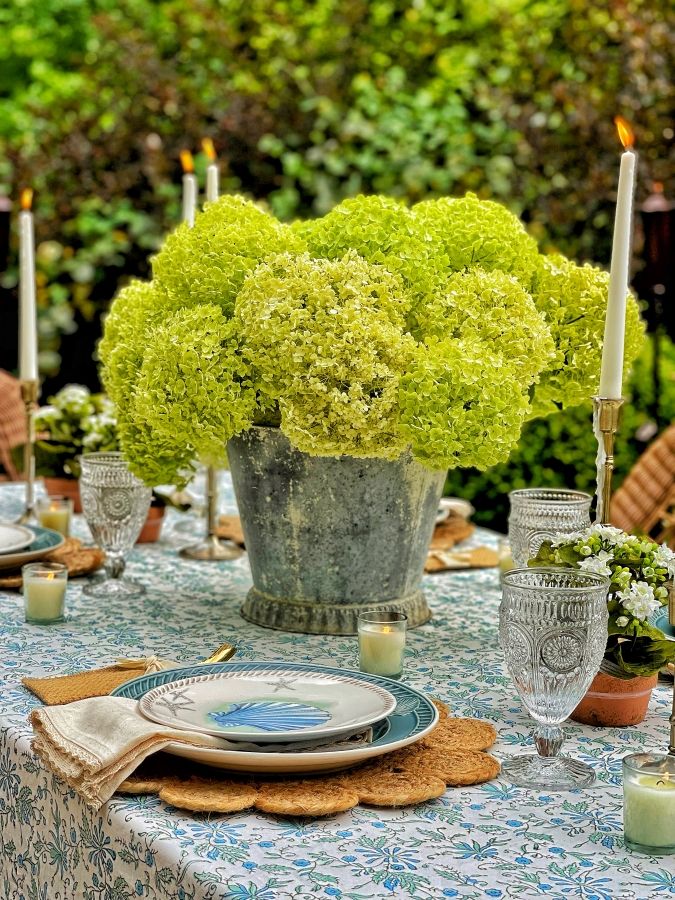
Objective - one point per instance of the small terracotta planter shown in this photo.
(614, 701)
(65, 487)
(152, 528)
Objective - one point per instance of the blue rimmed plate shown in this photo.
(413, 717)
(45, 542)
(274, 705)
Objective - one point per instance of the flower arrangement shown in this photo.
(75, 421)
(377, 328)
(641, 573)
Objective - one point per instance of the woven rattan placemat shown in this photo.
(451, 755)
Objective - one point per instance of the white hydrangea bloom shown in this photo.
(639, 600)
(597, 563)
(622, 621)
(665, 558)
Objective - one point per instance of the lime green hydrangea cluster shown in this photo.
(209, 262)
(573, 300)
(374, 329)
(329, 345)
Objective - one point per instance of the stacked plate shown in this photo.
(21, 544)
(299, 717)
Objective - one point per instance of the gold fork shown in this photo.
(222, 654)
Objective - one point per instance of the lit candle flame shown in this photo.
(626, 135)
(186, 161)
(26, 198)
(209, 149)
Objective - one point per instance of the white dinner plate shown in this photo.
(44, 541)
(14, 537)
(413, 718)
(269, 705)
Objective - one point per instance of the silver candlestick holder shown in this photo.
(212, 548)
(30, 391)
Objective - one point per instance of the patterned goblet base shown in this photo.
(113, 587)
(552, 773)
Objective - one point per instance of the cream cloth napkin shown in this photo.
(95, 744)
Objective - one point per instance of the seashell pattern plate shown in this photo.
(270, 704)
(413, 717)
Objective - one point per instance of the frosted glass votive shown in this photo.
(44, 592)
(649, 803)
(382, 642)
(55, 513)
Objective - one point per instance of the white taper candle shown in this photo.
(611, 371)
(28, 344)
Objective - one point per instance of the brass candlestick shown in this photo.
(606, 418)
(30, 391)
(212, 548)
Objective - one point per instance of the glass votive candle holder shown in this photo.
(55, 513)
(504, 554)
(649, 803)
(382, 642)
(44, 592)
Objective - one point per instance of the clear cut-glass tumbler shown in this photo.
(553, 631)
(539, 514)
(115, 504)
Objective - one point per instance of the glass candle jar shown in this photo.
(55, 513)
(382, 642)
(649, 803)
(44, 592)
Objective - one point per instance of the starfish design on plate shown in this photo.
(175, 701)
(281, 684)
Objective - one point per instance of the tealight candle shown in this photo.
(649, 803)
(382, 642)
(44, 591)
(55, 513)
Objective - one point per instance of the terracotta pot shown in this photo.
(152, 528)
(615, 701)
(65, 487)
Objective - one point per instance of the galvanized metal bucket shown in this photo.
(328, 537)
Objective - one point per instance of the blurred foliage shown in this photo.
(559, 451)
(309, 101)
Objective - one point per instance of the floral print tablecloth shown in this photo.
(493, 840)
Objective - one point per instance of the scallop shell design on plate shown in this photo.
(270, 715)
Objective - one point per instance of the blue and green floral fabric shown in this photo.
(492, 840)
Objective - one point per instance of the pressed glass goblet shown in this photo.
(115, 504)
(553, 631)
(539, 514)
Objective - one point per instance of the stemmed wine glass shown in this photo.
(553, 631)
(115, 504)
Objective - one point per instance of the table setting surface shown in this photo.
(491, 840)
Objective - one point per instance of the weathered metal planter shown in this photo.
(328, 537)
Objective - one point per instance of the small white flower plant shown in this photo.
(641, 574)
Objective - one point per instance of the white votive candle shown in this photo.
(649, 803)
(44, 591)
(381, 643)
(54, 513)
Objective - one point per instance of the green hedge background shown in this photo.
(309, 101)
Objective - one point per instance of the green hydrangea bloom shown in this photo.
(328, 341)
(461, 405)
(573, 300)
(383, 231)
(125, 337)
(192, 394)
(495, 308)
(473, 232)
(209, 262)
